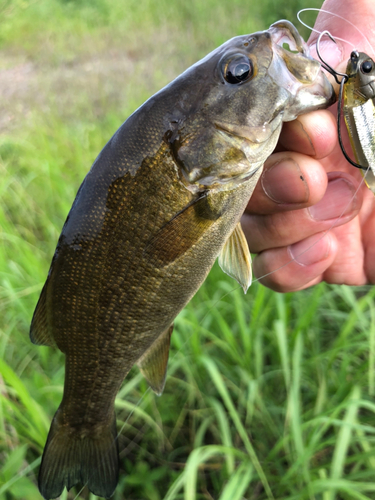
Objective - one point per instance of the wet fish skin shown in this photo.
(146, 226)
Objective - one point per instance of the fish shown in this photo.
(359, 111)
(161, 202)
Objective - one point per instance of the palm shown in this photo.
(337, 249)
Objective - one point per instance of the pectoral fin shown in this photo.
(235, 258)
(153, 363)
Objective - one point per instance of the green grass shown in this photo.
(268, 395)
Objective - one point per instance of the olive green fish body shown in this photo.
(110, 314)
(152, 215)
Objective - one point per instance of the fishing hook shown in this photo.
(344, 79)
(325, 65)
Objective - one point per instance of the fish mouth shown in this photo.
(298, 61)
(297, 72)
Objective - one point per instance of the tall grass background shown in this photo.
(268, 396)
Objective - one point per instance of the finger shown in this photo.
(297, 267)
(313, 134)
(289, 181)
(340, 204)
(348, 266)
(354, 23)
(369, 246)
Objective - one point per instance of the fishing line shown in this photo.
(339, 17)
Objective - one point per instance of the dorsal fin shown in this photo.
(153, 362)
(39, 333)
(235, 258)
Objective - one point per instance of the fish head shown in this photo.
(242, 93)
(361, 72)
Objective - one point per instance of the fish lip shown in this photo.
(284, 30)
(298, 73)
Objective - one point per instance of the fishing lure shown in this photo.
(357, 102)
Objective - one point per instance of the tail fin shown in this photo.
(70, 458)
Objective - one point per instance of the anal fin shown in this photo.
(39, 332)
(153, 363)
(235, 258)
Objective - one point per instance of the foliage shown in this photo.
(268, 395)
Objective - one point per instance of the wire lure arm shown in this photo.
(344, 79)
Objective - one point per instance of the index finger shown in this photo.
(295, 179)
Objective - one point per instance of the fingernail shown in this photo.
(338, 200)
(311, 250)
(283, 182)
(332, 53)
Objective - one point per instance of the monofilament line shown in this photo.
(369, 46)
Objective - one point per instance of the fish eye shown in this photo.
(366, 67)
(238, 69)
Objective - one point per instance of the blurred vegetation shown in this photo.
(268, 395)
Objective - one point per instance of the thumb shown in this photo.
(332, 53)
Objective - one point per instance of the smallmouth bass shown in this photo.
(161, 202)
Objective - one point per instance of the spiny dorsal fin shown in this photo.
(39, 333)
(153, 363)
(235, 258)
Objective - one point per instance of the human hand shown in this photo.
(292, 223)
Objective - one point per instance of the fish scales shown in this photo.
(152, 215)
(121, 306)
